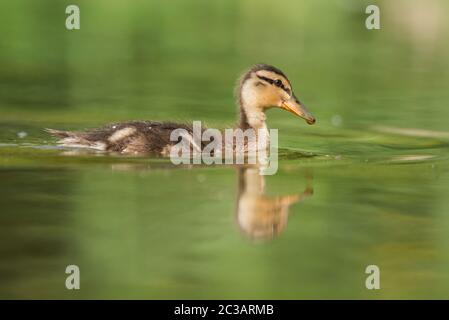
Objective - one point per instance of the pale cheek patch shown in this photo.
(121, 134)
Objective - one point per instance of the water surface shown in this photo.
(367, 184)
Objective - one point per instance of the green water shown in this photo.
(140, 227)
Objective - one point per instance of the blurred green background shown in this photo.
(142, 228)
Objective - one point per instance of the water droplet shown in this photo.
(22, 134)
(336, 120)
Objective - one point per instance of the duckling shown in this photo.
(260, 88)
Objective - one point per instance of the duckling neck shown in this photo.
(256, 120)
(252, 120)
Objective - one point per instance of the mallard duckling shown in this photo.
(260, 88)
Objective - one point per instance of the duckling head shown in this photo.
(263, 87)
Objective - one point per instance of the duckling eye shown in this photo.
(278, 83)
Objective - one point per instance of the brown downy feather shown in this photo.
(131, 137)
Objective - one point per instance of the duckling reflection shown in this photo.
(261, 217)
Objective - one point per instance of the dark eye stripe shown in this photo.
(270, 81)
(275, 82)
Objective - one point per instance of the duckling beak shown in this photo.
(294, 106)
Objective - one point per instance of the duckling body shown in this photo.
(260, 88)
(132, 137)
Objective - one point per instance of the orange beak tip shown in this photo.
(300, 113)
